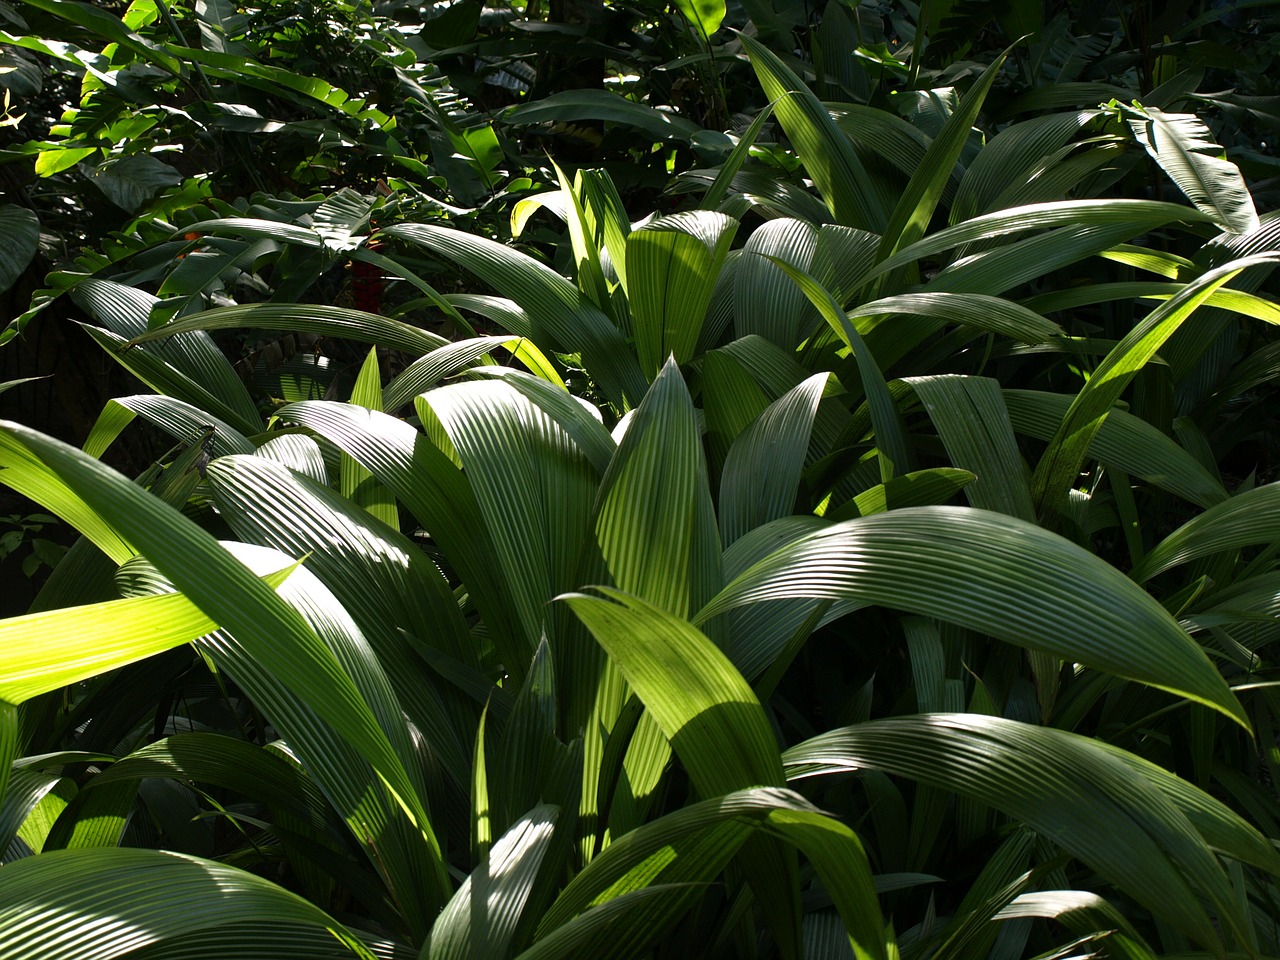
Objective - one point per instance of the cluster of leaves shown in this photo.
(872, 552)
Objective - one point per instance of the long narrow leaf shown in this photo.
(1058, 468)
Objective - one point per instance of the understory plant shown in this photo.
(872, 556)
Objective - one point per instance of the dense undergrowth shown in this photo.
(644, 480)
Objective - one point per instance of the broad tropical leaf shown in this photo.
(1184, 148)
(1064, 786)
(101, 904)
(996, 574)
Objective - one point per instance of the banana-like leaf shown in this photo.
(586, 249)
(559, 312)
(1246, 519)
(1242, 302)
(404, 853)
(1184, 148)
(706, 15)
(427, 371)
(426, 481)
(1063, 785)
(112, 29)
(101, 904)
(605, 105)
(673, 264)
(823, 148)
(23, 796)
(1060, 465)
(998, 575)
(895, 453)
(1011, 157)
(175, 417)
(354, 481)
(29, 476)
(19, 239)
(578, 418)
(193, 357)
(978, 310)
(481, 918)
(635, 859)
(654, 519)
(920, 488)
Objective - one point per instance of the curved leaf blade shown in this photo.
(996, 574)
(1063, 785)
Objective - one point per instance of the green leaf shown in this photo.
(691, 845)
(919, 488)
(655, 522)
(915, 208)
(706, 15)
(19, 240)
(1138, 216)
(1064, 786)
(822, 146)
(32, 478)
(1246, 519)
(762, 471)
(190, 366)
(403, 852)
(131, 181)
(380, 577)
(320, 319)
(894, 453)
(46, 651)
(1125, 442)
(998, 575)
(572, 105)
(971, 419)
(711, 717)
(481, 918)
(101, 904)
(1184, 148)
(764, 302)
(703, 705)
(110, 28)
(562, 318)
(673, 264)
(273, 633)
(533, 487)
(355, 481)
(1060, 465)
(978, 310)
(437, 493)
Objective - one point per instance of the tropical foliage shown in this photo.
(644, 480)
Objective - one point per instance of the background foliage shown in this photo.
(639, 479)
